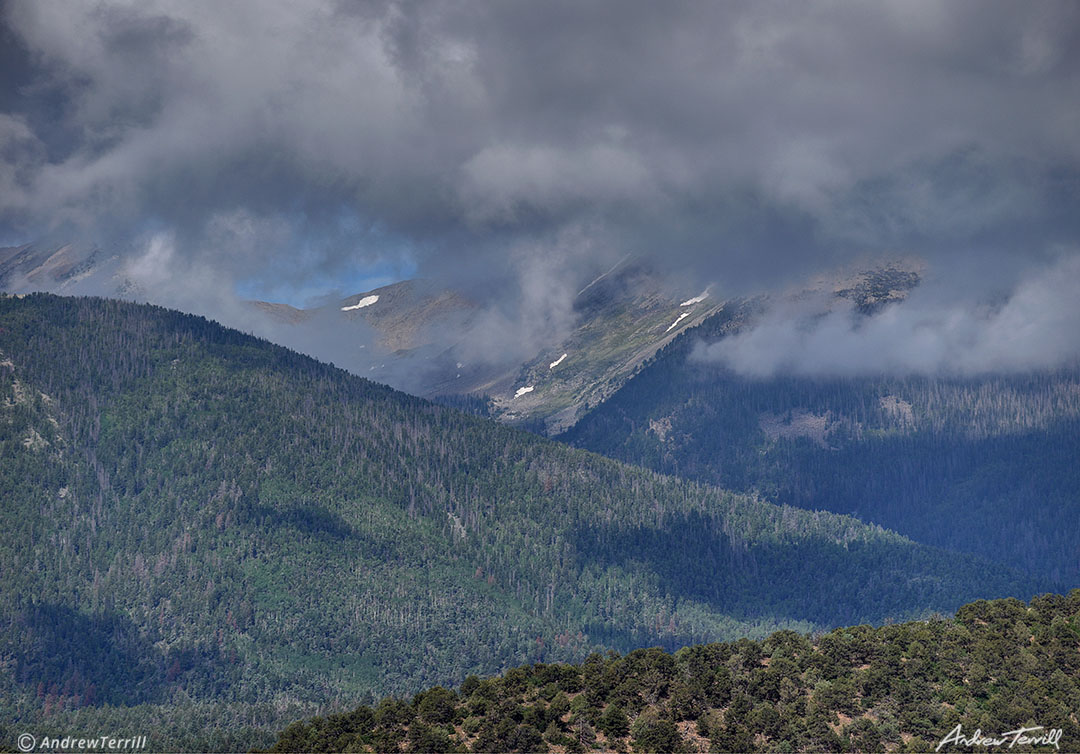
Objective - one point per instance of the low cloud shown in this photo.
(1032, 326)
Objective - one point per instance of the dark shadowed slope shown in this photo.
(984, 465)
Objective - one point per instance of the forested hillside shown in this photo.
(984, 465)
(996, 667)
(217, 534)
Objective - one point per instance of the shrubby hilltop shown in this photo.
(996, 667)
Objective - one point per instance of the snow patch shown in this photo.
(682, 316)
(557, 361)
(522, 390)
(696, 299)
(365, 301)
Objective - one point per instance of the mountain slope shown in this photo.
(984, 464)
(55, 267)
(226, 521)
(428, 338)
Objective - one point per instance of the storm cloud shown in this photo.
(515, 149)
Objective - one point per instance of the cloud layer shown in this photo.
(515, 149)
(1030, 327)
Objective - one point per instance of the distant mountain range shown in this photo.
(935, 458)
(192, 516)
(423, 331)
(621, 319)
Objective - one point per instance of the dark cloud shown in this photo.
(516, 148)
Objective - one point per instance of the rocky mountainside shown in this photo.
(60, 268)
(621, 319)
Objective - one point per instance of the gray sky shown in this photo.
(505, 146)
